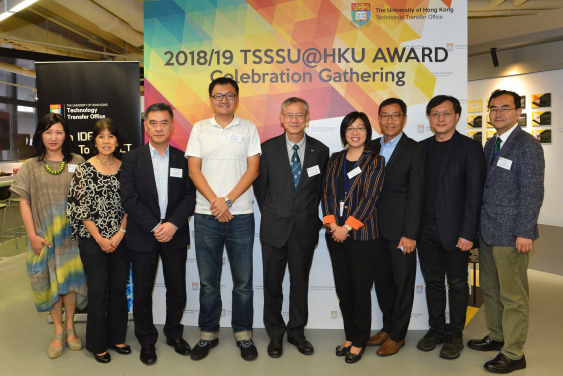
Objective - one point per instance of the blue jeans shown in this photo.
(210, 238)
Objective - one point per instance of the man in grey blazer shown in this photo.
(512, 198)
(288, 192)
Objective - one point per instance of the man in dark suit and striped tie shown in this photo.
(288, 192)
(512, 200)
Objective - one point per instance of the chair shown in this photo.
(16, 204)
(5, 204)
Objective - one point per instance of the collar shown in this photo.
(291, 143)
(154, 153)
(505, 135)
(235, 121)
(392, 142)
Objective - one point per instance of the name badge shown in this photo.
(504, 163)
(312, 171)
(235, 137)
(72, 167)
(176, 172)
(341, 202)
(354, 172)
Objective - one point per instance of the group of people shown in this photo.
(381, 200)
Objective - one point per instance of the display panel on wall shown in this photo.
(541, 118)
(491, 134)
(475, 121)
(543, 136)
(85, 92)
(338, 56)
(522, 119)
(541, 100)
(475, 105)
(523, 102)
(478, 136)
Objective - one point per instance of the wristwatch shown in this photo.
(348, 227)
(228, 202)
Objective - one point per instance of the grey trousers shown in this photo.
(504, 281)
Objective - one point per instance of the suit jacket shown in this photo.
(512, 198)
(360, 204)
(139, 198)
(280, 203)
(400, 203)
(459, 190)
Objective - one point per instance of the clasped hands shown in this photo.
(339, 233)
(110, 245)
(164, 232)
(220, 209)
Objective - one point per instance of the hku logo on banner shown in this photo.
(339, 56)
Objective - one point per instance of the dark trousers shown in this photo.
(353, 264)
(435, 262)
(144, 274)
(274, 261)
(394, 285)
(107, 275)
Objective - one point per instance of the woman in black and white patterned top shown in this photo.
(98, 221)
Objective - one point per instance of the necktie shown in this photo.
(295, 166)
(497, 149)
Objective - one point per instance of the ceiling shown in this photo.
(52, 26)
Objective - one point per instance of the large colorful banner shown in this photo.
(339, 55)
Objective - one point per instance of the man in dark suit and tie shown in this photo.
(288, 192)
(398, 210)
(455, 176)
(512, 199)
(159, 197)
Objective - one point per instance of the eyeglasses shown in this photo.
(219, 97)
(297, 116)
(359, 130)
(502, 111)
(392, 116)
(446, 115)
(164, 125)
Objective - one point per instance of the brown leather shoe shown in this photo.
(378, 339)
(390, 347)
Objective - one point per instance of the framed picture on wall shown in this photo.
(543, 136)
(541, 100)
(475, 121)
(541, 118)
(491, 134)
(478, 136)
(523, 102)
(522, 119)
(475, 105)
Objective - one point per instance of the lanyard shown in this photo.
(346, 174)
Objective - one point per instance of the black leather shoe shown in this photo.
(503, 364)
(485, 344)
(342, 351)
(248, 350)
(305, 347)
(430, 340)
(106, 358)
(125, 350)
(353, 358)
(180, 345)
(148, 354)
(201, 350)
(275, 347)
(453, 344)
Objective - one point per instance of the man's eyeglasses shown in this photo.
(392, 116)
(502, 111)
(359, 130)
(297, 116)
(446, 115)
(219, 97)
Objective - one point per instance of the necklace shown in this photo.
(112, 161)
(55, 172)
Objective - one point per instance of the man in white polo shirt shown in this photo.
(223, 159)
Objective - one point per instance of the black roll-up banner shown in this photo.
(84, 92)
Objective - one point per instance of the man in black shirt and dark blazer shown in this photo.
(455, 177)
(159, 197)
(288, 192)
(398, 210)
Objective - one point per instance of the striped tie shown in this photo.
(295, 166)
(497, 149)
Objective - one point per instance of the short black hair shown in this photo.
(157, 107)
(348, 120)
(222, 81)
(44, 124)
(389, 101)
(439, 99)
(499, 92)
(114, 128)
